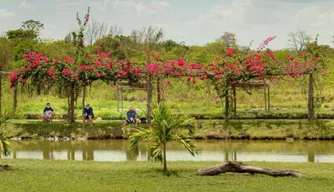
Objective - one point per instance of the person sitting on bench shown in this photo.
(88, 115)
(48, 113)
(131, 117)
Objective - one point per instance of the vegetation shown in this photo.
(146, 51)
(43, 175)
(204, 129)
(166, 127)
(4, 143)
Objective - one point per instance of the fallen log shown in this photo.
(239, 167)
(4, 166)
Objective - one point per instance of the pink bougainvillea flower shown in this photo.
(13, 76)
(180, 62)
(230, 51)
(66, 71)
(50, 72)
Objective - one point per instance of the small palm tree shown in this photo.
(4, 143)
(165, 127)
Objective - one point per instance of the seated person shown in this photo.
(48, 113)
(131, 117)
(143, 120)
(88, 115)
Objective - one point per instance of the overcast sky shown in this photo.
(195, 22)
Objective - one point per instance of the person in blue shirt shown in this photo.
(48, 113)
(88, 115)
(131, 117)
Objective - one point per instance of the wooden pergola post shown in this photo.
(268, 97)
(265, 96)
(158, 91)
(122, 98)
(310, 98)
(234, 101)
(83, 99)
(227, 103)
(149, 91)
(117, 95)
(15, 98)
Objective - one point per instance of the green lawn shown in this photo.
(51, 175)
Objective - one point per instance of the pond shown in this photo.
(118, 150)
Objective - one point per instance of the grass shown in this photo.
(54, 175)
(204, 129)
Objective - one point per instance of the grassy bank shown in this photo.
(51, 175)
(205, 129)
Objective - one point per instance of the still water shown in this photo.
(118, 150)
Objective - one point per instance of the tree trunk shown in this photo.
(239, 167)
(38, 89)
(265, 96)
(0, 94)
(164, 158)
(234, 102)
(149, 98)
(158, 91)
(68, 108)
(227, 104)
(72, 100)
(310, 105)
(15, 98)
(59, 91)
(268, 98)
(117, 95)
(83, 99)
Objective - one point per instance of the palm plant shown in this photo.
(165, 127)
(4, 143)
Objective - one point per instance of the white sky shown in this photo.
(195, 22)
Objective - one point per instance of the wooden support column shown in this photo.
(234, 102)
(227, 103)
(268, 98)
(158, 91)
(0, 93)
(15, 98)
(72, 101)
(83, 99)
(265, 96)
(310, 104)
(117, 94)
(122, 99)
(149, 98)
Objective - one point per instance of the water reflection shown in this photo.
(118, 150)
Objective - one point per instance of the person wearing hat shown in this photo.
(88, 115)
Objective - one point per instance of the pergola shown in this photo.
(122, 86)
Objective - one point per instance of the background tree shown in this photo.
(228, 38)
(165, 128)
(95, 30)
(298, 40)
(5, 56)
(32, 25)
